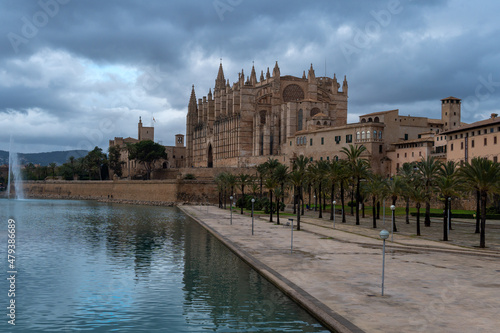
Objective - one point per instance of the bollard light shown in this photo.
(253, 201)
(392, 225)
(384, 234)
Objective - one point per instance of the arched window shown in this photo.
(298, 140)
(363, 135)
(293, 93)
(368, 135)
(318, 123)
(357, 135)
(299, 120)
(363, 120)
(325, 123)
(380, 135)
(374, 134)
(315, 111)
(263, 117)
(370, 120)
(376, 120)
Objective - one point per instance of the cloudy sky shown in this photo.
(74, 74)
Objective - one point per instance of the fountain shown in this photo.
(14, 174)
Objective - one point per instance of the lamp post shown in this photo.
(314, 202)
(231, 208)
(383, 214)
(384, 234)
(253, 201)
(392, 225)
(334, 202)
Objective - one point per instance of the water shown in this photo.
(14, 171)
(89, 266)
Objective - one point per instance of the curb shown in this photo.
(330, 319)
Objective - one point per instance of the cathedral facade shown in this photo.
(245, 123)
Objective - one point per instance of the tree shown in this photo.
(281, 175)
(297, 179)
(270, 183)
(448, 186)
(334, 171)
(115, 163)
(95, 161)
(243, 180)
(395, 187)
(428, 170)
(375, 187)
(147, 153)
(418, 194)
(407, 172)
(52, 167)
(483, 175)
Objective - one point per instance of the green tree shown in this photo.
(375, 188)
(407, 172)
(428, 169)
(281, 175)
(483, 175)
(394, 188)
(448, 185)
(270, 183)
(53, 167)
(418, 194)
(297, 179)
(334, 170)
(243, 180)
(146, 153)
(115, 164)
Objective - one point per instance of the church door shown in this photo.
(210, 157)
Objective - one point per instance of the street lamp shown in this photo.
(392, 226)
(253, 201)
(384, 234)
(231, 208)
(315, 202)
(334, 202)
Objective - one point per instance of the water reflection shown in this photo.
(102, 267)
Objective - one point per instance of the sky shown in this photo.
(75, 74)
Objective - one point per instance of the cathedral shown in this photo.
(243, 124)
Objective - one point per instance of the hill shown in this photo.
(58, 157)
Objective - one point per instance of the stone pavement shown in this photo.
(430, 286)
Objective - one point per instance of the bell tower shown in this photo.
(450, 112)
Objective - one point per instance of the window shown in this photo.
(310, 142)
(380, 135)
(336, 158)
(495, 159)
(357, 135)
(290, 143)
(337, 139)
(328, 158)
(494, 140)
(405, 155)
(485, 141)
(363, 135)
(485, 131)
(398, 155)
(472, 143)
(322, 141)
(380, 149)
(461, 136)
(375, 134)
(419, 153)
(406, 136)
(368, 135)
(299, 120)
(412, 154)
(462, 145)
(451, 147)
(397, 167)
(491, 130)
(348, 138)
(472, 133)
(311, 159)
(321, 158)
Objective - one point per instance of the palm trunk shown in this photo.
(331, 194)
(242, 198)
(319, 200)
(478, 211)
(301, 198)
(445, 221)
(482, 237)
(271, 206)
(427, 222)
(374, 212)
(407, 210)
(418, 219)
(395, 228)
(378, 210)
(283, 196)
(342, 200)
(295, 199)
(352, 199)
(357, 202)
(299, 189)
(277, 211)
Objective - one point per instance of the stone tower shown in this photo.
(450, 113)
(145, 133)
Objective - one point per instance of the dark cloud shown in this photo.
(66, 65)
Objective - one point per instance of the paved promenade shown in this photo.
(430, 286)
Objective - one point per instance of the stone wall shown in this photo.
(166, 191)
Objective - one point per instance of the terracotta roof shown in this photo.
(320, 115)
(481, 123)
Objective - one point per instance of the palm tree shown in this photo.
(407, 172)
(281, 175)
(418, 194)
(333, 176)
(395, 187)
(221, 182)
(428, 169)
(448, 185)
(343, 179)
(483, 175)
(270, 183)
(297, 179)
(277, 194)
(359, 169)
(243, 180)
(375, 187)
(300, 164)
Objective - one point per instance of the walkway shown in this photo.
(430, 286)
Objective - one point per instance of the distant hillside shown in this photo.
(58, 157)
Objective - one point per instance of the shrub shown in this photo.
(189, 176)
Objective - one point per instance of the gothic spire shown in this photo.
(253, 76)
(276, 70)
(220, 82)
(268, 74)
(261, 76)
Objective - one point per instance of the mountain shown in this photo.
(58, 157)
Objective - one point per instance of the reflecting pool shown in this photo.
(89, 266)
